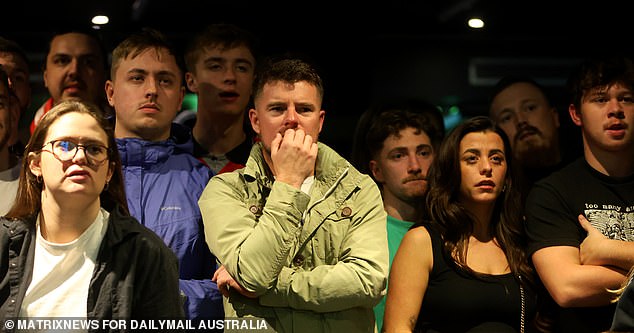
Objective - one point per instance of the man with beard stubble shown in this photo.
(521, 108)
(401, 141)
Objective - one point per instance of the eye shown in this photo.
(89, 62)
(471, 159)
(214, 67)
(497, 159)
(165, 82)
(531, 107)
(95, 150)
(136, 78)
(426, 152)
(19, 78)
(626, 99)
(61, 60)
(505, 117)
(65, 146)
(396, 156)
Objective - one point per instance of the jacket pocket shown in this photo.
(329, 240)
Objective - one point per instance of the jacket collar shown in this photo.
(139, 152)
(329, 167)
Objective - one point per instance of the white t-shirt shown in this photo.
(8, 187)
(62, 273)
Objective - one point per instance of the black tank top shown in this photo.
(458, 302)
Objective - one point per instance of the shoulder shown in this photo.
(228, 182)
(566, 175)
(566, 180)
(417, 237)
(128, 230)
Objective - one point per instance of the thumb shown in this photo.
(585, 224)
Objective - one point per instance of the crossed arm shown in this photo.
(582, 277)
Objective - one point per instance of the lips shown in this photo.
(73, 87)
(413, 179)
(616, 126)
(526, 133)
(228, 94)
(77, 173)
(616, 129)
(486, 183)
(150, 107)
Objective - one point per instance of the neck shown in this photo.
(402, 210)
(218, 133)
(7, 160)
(613, 164)
(482, 214)
(63, 223)
(548, 157)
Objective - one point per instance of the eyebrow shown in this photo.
(80, 140)
(145, 72)
(222, 59)
(477, 151)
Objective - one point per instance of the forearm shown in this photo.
(585, 286)
(357, 279)
(253, 250)
(327, 288)
(617, 253)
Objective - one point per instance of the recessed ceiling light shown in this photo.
(475, 23)
(100, 19)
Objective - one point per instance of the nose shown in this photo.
(485, 167)
(414, 164)
(290, 119)
(615, 109)
(230, 75)
(73, 67)
(80, 158)
(151, 88)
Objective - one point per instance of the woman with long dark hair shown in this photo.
(464, 268)
(68, 246)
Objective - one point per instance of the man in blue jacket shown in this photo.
(163, 179)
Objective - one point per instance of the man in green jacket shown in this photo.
(299, 232)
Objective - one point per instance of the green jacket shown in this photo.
(255, 227)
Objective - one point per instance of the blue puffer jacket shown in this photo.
(163, 182)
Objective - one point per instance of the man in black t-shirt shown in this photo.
(580, 219)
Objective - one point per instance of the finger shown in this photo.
(585, 224)
(300, 136)
(314, 149)
(275, 144)
(289, 135)
(308, 142)
(215, 277)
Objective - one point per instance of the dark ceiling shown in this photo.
(368, 49)
(322, 24)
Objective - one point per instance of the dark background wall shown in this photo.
(369, 51)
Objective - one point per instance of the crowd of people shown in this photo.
(118, 204)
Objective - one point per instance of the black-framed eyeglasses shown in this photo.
(65, 150)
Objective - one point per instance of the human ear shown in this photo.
(376, 171)
(35, 164)
(575, 115)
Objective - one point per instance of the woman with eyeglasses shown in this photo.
(68, 246)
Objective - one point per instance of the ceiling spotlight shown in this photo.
(475, 23)
(100, 20)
